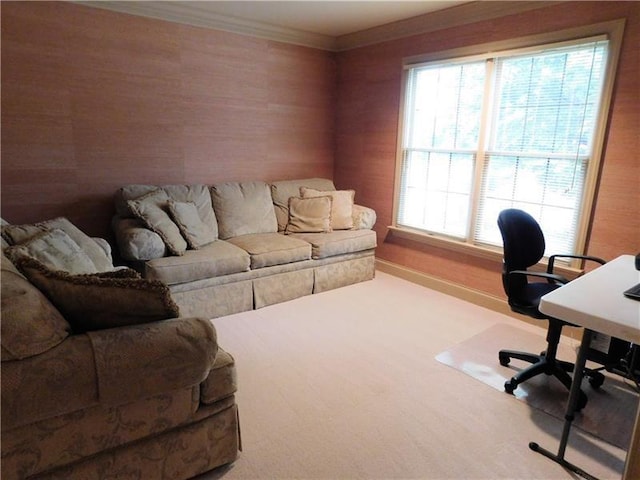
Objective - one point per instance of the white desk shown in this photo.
(595, 302)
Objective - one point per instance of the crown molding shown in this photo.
(190, 13)
(467, 13)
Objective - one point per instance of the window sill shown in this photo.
(485, 252)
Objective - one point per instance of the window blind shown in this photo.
(544, 113)
(440, 143)
(516, 126)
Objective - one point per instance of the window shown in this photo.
(520, 128)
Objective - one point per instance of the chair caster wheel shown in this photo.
(582, 401)
(510, 386)
(596, 380)
(504, 359)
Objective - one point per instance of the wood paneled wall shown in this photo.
(93, 100)
(369, 83)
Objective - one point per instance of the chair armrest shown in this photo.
(140, 361)
(551, 277)
(552, 259)
(364, 218)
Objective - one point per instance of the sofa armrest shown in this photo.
(140, 361)
(135, 241)
(364, 218)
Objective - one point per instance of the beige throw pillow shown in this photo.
(16, 234)
(150, 208)
(102, 300)
(309, 215)
(342, 206)
(283, 190)
(56, 250)
(193, 229)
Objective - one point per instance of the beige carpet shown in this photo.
(609, 414)
(345, 385)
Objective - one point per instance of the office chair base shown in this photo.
(550, 366)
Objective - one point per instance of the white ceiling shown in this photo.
(332, 18)
(325, 24)
(316, 23)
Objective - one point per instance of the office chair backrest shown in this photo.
(523, 245)
(522, 237)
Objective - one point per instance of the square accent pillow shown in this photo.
(341, 209)
(193, 229)
(16, 234)
(283, 190)
(56, 250)
(102, 300)
(150, 209)
(309, 215)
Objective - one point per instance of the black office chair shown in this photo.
(524, 246)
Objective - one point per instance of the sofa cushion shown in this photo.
(341, 208)
(193, 229)
(283, 190)
(16, 234)
(338, 242)
(151, 209)
(222, 380)
(213, 260)
(243, 208)
(102, 300)
(55, 249)
(30, 323)
(268, 249)
(309, 215)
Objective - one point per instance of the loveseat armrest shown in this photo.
(139, 361)
(58, 381)
(135, 241)
(364, 218)
(104, 245)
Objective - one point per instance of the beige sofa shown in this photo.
(246, 245)
(100, 377)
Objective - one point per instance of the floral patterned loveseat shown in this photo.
(101, 377)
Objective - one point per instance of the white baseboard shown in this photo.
(455, 290)
(476, 297)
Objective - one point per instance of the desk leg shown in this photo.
(574, 394)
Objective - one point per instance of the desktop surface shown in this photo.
(596, 300)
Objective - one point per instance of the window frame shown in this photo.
(614, 31)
